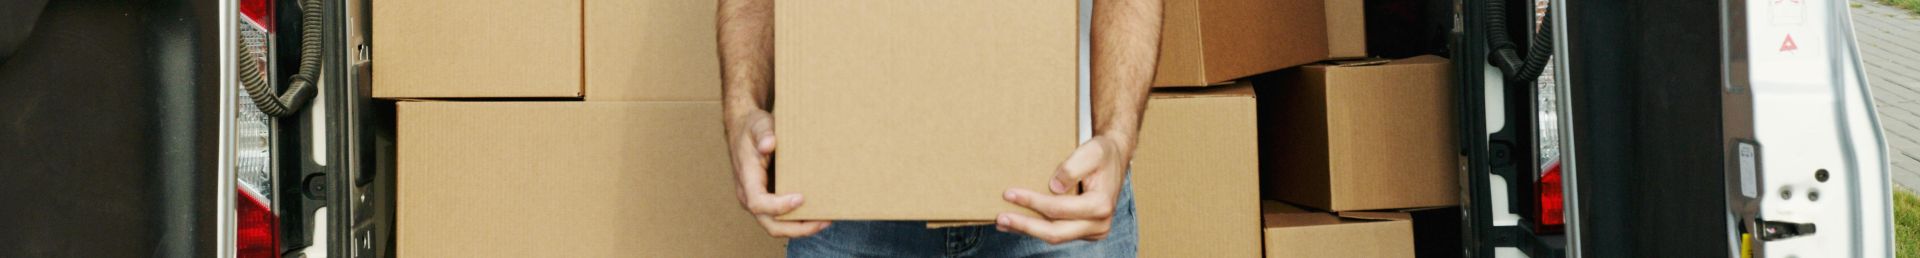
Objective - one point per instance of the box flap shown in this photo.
(1316, 234)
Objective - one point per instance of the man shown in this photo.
(1125, 43)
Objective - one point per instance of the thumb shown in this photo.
(762, 131)
(1083, 162)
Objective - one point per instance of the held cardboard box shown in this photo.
(1207, 42)
(477, 49)
(1294, 232)
(1376, 135)
(921, 110)
(1196, 174)
(651, 50)
(568, 179)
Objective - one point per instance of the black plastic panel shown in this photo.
(108, 126)
(1646, 77)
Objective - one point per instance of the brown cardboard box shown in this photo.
(649, 50)
(1346, 29)
(921, 110)
(1196, 174)
(569, 179)
(1294, 232)
(477, 49)
(1363, 137)
(1207, 42)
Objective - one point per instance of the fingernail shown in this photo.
(794, 201)
(1005, 220)
(1010, 196)
(1057, 187)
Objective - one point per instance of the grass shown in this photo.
(1910, 5)
(1906, 220)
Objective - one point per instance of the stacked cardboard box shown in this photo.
(1361, 143)
(1212, 42)
(499, 156)
(1196, 174)
(1361, 135)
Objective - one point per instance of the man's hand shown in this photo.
(746, 69)
(752, 143)
(1100, 166)
(1126, 46)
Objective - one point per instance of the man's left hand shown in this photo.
(1100, 166)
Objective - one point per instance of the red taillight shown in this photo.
(256, 238)
(1552, 205)
(260, 11)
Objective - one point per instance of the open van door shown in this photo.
(1669, 124)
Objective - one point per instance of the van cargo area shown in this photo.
(1273, 128)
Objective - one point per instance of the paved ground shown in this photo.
(1889, 41)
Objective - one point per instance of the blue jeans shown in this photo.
(914, 239)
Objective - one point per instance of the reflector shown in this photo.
(1552, 205)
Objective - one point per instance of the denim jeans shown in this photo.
(914, 239)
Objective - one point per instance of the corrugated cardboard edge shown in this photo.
(1374, 215)
(951, 224)
(1242, 88)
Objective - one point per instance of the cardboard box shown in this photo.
(1208, 42)
(1294, 232)
(1346, 29)
(477, 49)
(1196, 174)
(568, 179)
(1378, 135)
(650, 50)
(921, 110)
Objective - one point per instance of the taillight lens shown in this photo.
(259, 11)
(256, 237)
(1552, 205)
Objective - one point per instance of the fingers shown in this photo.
(1059, 207)
(1053, 232)
(1084, 161)
(790, 229)
(763, 203)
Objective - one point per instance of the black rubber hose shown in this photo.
(300, 87)
(1539, 53)
(1503, 53)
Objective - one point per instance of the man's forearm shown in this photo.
(746, 55)
(1126, 47)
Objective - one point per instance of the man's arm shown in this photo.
(746, 76)
(1126, 47)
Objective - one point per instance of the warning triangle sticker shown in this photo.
(1789, 46)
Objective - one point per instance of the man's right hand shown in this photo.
(751, 142)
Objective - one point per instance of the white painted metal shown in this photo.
(1812, 112)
